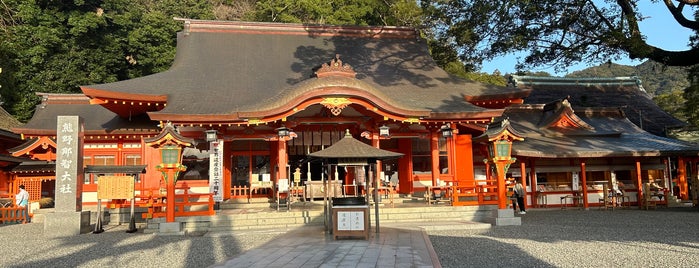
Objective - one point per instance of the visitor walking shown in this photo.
(519, 195)
(22, 201)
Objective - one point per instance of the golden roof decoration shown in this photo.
(336, 68)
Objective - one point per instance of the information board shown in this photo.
(115, 187)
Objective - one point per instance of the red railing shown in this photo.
(240, 192)
(472, 194)
(12, 214)
(185, 204)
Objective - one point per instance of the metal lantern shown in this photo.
(211, 135)
(500, 149)
(283, 132)
(384, 131)
(170, 155)
(447, 132)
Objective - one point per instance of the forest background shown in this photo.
(57, 46)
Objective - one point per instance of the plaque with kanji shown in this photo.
(115, 187)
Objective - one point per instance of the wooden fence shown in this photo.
(12, 214)
(474, 195)
(186, 204)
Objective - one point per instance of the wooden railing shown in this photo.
(185, 204)
(240, 192)
(474, 195)
(12, 214)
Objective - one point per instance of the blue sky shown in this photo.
(659, 28)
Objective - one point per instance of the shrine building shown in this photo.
(271, 94)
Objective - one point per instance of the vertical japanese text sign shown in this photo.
(216, 170)
(69, 163)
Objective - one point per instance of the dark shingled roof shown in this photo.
(7, 121)
(97, 119)
(135, 169)
(238, 68)
(624, 92)
(35, 167)
(608, 133)
(350, 148)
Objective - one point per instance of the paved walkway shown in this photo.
(396, 245)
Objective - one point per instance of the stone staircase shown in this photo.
(673, 201)
(263, 215)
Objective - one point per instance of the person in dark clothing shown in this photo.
(519, 195)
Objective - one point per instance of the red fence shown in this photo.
(12, 214)
(475, 194)
(186, 204)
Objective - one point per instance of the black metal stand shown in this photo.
(98, 224)
(132, 221)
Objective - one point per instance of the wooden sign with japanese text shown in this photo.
(115, 187)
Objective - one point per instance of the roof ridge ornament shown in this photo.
(336, 68)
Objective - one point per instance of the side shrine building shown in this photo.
(265, 96)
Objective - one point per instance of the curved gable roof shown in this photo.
(623, 92)
(610, 134)
(230, 68)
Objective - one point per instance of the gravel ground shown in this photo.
(24, 245)
(575, 238)
(546, 238)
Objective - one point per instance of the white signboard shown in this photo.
(350, 220)
(216, 170)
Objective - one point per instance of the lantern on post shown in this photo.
(447, 131)
(384, 131)
(283, 132)
(498, 139)
(211, 135)
(170, 144)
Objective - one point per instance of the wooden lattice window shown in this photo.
(32, 186)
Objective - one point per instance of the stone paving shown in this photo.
(396, 245)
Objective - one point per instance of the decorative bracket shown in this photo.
(335, 105)
(336, 68)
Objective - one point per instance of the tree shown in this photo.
(340, 12)
(556, 33)
(672, 102)
(56, 46)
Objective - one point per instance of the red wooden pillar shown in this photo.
(405, 167)
(523, 179)
(463, 160)
(682, 177)
(170, 195)
(282, 159)
(502, 192)
(376, 142)
(488, 174)
(533, 182)
(227, 168)
(434, 148)
(639, 183)
(583, 178)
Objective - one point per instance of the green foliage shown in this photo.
(339, 12)
(672, 102)
(56, 46)
(657, 79)
(539, 73)
(552, 33)
(665, 83)
(458, 69)
(691, 95)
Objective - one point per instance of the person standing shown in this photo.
(22, 201)
(519, 195)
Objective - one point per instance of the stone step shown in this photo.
(251, 218)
